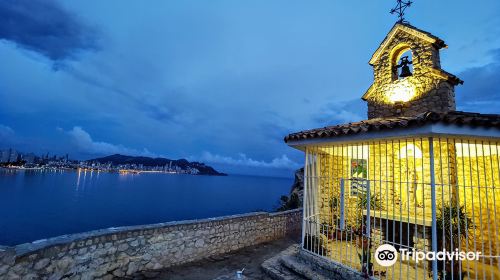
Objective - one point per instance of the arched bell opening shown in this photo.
(401, 62)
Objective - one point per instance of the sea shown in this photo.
(39, 204)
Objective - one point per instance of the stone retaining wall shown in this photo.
(122, 252)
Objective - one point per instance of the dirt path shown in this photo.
(225, 266)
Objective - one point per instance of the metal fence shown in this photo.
(418, 194)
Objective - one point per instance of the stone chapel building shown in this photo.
(417, 174)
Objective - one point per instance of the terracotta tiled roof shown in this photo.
(454, 117)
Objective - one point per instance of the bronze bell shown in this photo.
(405, 68)
(405, 71)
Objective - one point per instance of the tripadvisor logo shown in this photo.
(386, 255)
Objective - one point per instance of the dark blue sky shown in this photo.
(217, 81)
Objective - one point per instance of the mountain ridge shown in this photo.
(183, 164)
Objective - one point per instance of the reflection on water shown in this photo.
(82, 176)
(38, 204)
(78, 179)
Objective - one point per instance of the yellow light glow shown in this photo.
(352, 151)
(475, 150)
(401, 91)
(411, 151)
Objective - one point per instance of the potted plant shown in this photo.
(375, 201)
(453, 226)
(315, 244)
(333, 232)
(363, 241)
(366, 262)
(365, 255)
(336, 233)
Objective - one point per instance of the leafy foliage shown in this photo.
(375, 201)
(453, 226)
(315, 244)
(289, 203)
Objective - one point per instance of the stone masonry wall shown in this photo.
(429, 88)
(441, 98)
(121, 252)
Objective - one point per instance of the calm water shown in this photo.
(40, 204)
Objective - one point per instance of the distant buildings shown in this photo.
(4, 156)
(9, 155)
(29, 158)
(14, 159)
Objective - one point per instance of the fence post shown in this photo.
(433, 203)
(304, 199)
(368, 202)
(342, 205)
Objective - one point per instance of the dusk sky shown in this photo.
(220, 82)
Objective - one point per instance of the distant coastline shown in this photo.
(120, 171)
(123, 164)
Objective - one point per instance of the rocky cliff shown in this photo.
(298, 185)
(295, 198)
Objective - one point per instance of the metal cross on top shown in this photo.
(400, 9)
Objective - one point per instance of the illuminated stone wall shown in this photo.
(466, 171)
(325, 185)
(428, 89)
(439, 97)
(383, 156)
(331, 170)
(400, 170)
(479, 193)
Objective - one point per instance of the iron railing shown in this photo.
(420, 195)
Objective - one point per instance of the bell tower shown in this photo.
(405, 86)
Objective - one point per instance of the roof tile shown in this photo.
(453, 117)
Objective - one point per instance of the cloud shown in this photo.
(6, 133)
(45, 27)
(480, 90)
(341, 112)
(85, 144)
(243, 160)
